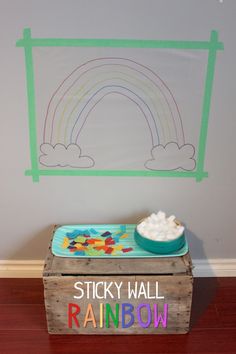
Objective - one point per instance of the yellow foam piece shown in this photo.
(65, 243)
(124, 236)
(118, 247)
(100, 243)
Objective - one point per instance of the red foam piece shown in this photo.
(109, 250)
(127, 249)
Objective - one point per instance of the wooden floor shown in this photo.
(23, 324)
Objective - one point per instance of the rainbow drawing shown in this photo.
(80, 92)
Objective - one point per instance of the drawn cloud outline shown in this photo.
(63, 156)
(172, 157)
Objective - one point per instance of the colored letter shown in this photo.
(72, 315)
(143, 324)
(127, 311)
(101, 315)
(159, 318)
(90, 316)
(115, 318)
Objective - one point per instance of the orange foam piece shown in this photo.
(124, 236)
(80, 247)
(73, 249)
(98, 248)
(91, 241)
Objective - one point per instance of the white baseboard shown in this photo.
(21, 268)
(223, 267)
(34, 268)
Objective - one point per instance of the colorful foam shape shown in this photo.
(93, 231)
(123, 228)
(73, 234)
(79, 253)
(105, 234)
(129, 249)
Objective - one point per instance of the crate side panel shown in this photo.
(49, 257)
(60, 291)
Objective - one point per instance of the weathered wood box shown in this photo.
(118, 296)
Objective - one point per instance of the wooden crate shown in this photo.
(169, 277)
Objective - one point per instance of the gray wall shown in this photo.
(28, 209)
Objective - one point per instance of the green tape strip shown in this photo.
(126, 173)
(118, 43)
(31, 104)
(206, 104)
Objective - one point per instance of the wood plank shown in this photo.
(227, 314)
(21, 291)
(201, 342)
(22, 317)
(208, 319)
(204, 313)
(165, 265)
(49, 256)
(224, 289)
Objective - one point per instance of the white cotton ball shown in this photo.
(171, 218)
(153, 217)
(140, 228)
(161, 238)
(165, 228)
(168, 237)
(148, 229)
(172, 224)
(181, 229)
(165, 238)
(171, 236)
(152, 235)
(175, 232)
(161, 215)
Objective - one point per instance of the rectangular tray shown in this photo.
(86, 241)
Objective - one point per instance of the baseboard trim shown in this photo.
(214, 267)
(34, 268)
(21, 268)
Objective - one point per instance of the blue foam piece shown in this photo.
(73, 234)
(116, 238)
(85, 232)
(123, 228)
(94, 232)
(79, 253)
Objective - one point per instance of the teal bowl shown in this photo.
(159, 247)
